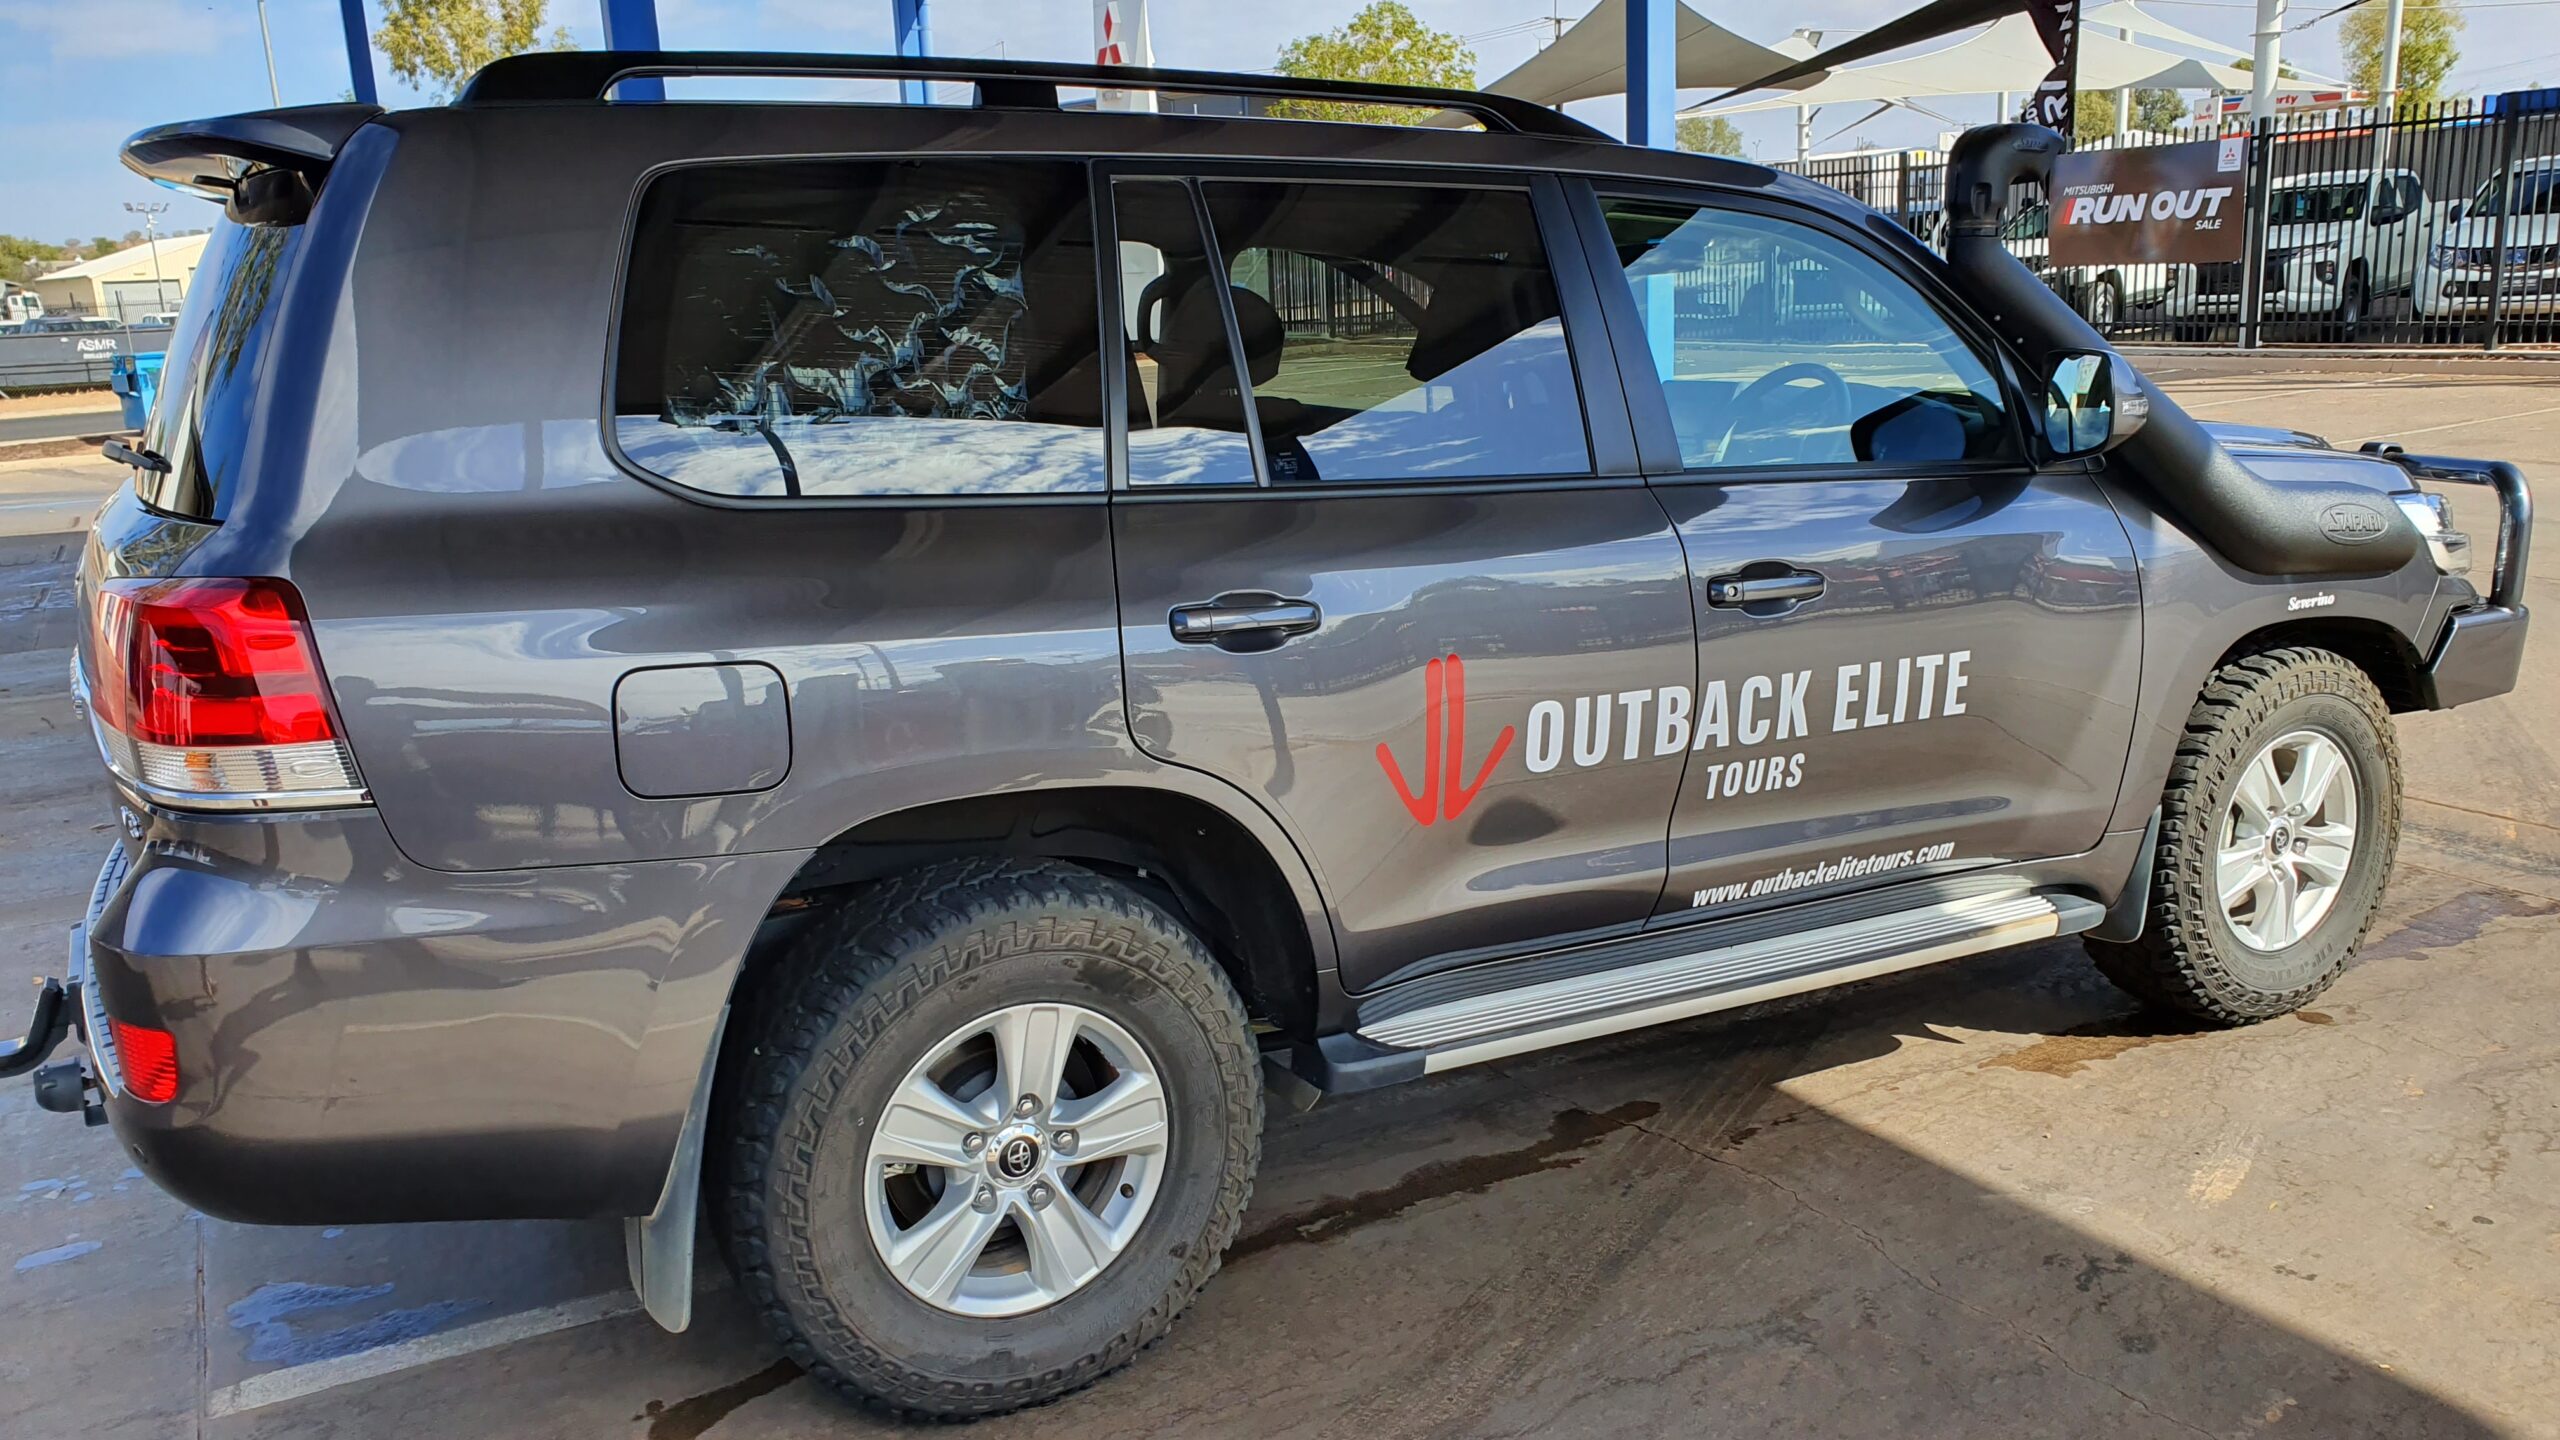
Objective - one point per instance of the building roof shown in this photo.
(118, 261)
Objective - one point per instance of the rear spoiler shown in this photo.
(263, 165)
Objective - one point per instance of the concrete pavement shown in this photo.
(1986, 1199)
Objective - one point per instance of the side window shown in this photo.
(864, 328)
(1395, 332)
(1777, 344)
(1186, 411)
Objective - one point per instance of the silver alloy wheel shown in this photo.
(2287, 839)
(1016, 1160)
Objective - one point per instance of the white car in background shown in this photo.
(2335, 240)
(2101, 293)
(2454, 284)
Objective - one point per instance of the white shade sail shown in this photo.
(2008, 55)
(1591, 59)
(2126, 15)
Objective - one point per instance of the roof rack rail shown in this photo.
(573, 75)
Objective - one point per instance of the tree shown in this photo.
(2428, 49)
(437, 44)
(1709, 135)
(1385, 44)
(2094, 117)
(20, 258)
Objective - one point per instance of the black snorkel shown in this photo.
(2260, 525)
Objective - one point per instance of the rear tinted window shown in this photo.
(208, 384)
(1399, 332)
(847, 328)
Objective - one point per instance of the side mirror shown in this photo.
(2093, 402)
(2453, 212)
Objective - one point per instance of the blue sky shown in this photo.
(80, 75)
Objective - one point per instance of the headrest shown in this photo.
(1192, 349)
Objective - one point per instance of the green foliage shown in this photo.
(1709, 135)
(2428, 49)
(2094, 114)
(20, 257)
(437, 44)
(1385, 44)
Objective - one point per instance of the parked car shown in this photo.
(72, 325)
(883, 671)
(2461, 268)
(2101, 293)
(2335, 240)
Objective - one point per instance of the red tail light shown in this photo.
(209, 689)
(149, 1059)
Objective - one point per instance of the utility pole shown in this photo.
(150, 214)
(2266, 61)
(2387, 103)
(2124, 97)
(274, 95)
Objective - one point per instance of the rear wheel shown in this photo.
(2276, 835)
(992, 1139)
(2106, 305)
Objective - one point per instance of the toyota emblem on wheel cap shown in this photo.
(1018, 1158)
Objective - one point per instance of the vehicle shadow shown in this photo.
(1656, 1236)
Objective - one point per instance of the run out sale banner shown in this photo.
(2160, 204)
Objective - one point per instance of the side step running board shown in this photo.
(1476, 1028)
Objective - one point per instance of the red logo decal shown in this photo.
(1445, 796)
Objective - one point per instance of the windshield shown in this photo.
(2537, 193)
(200, 421)
(2316, 204)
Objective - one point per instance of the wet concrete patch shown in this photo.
(2457, 921)
(688, 1419)
(1568, 1134)
(55, 1256)
(2081, 1046)
(270, 1314)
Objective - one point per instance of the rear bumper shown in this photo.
(360, 1039)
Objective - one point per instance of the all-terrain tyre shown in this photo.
(2229, 958)
(965, 977)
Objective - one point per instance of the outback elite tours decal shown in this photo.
(1753, 715)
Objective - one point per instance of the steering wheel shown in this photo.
(1827, 402)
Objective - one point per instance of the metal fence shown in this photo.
(2440, 227)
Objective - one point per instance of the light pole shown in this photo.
(274, 95)
(150, 214)
(2266, 64)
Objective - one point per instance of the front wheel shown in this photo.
(2355, 297)
(994, 1133)
(2276, 834)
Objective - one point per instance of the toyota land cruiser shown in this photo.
(870, 668)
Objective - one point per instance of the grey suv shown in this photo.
(882, 670)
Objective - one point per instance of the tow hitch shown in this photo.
(64, 1086)
(46, 1029)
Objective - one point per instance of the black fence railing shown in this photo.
(2438, 227)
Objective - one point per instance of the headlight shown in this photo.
(2450, 547)
(2324, 263)
(2444, 257)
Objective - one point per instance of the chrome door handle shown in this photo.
(1244, 619)
(1738, 591)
